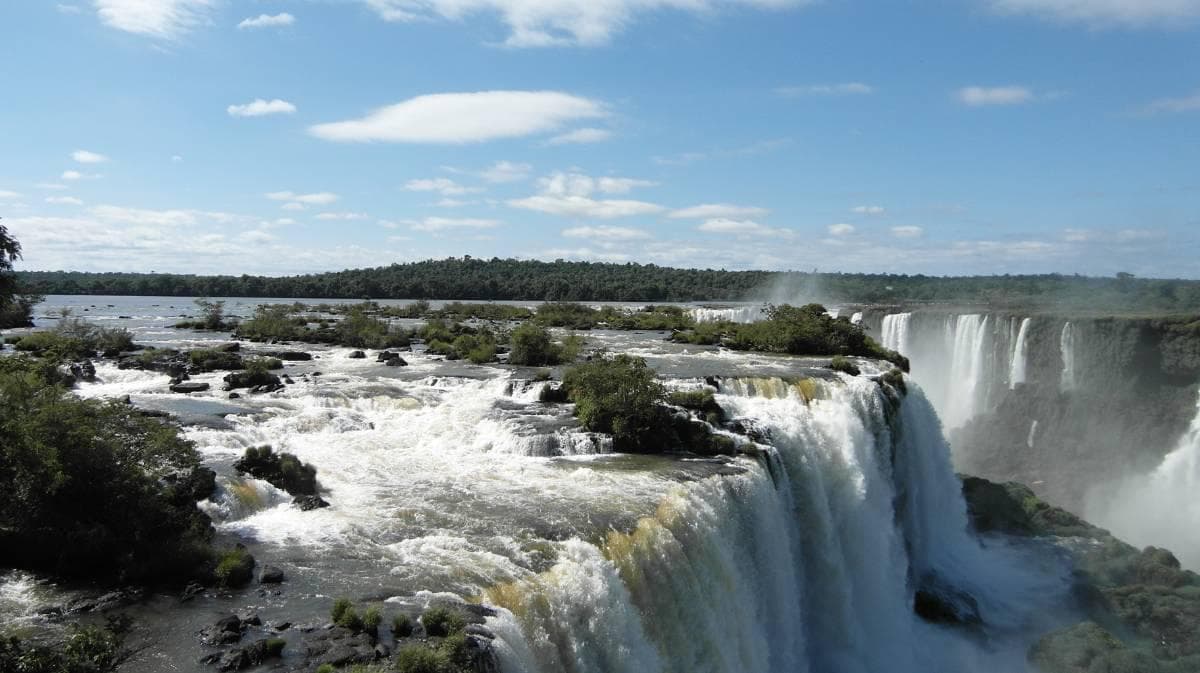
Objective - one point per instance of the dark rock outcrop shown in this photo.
(189, 387)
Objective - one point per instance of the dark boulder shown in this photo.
(226, 630)
(282, 470)
(84, 371)
(940, 603)
(252, 379)
(308, 503)
(396, 361)
(270, 575)
(255, 654)
(358, 355)
(189, 387)
(292, 356)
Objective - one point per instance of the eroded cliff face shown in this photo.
(1072, 405)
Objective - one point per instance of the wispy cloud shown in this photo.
(980, 96)
(1105, 13)
(1173, 105)
(260, 107)
(907, 231)
(74, 175)
(581, 137)
(342, 216)
(557, 23)
(62, 200)
(443, 186)
(843, 89)
(606, 233)
(465, 118)
(86, 157)
(434, 224)
(841, 229)
(506, 171)
(158, 19)
(868, 210)
(717, 211)
(741, 228)
(267, 21)
(314, 198)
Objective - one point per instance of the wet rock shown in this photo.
(939, 603)
(267, 388)
(358, 355)
(295, 356)
(307, 503)
(230, 348)
(253, 380)
(235, 396)
(255, 654)
(189, 387)
(396, 361)
(226, 630)
(191, 591)
(288, 380)
(282, 626)
(84, 371)
(270, 575)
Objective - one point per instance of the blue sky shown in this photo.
(292, 136)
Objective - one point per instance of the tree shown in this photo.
(620, 396)
(15, 309)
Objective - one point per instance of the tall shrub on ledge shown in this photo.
(620, 396)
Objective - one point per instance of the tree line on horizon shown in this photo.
(468, 278)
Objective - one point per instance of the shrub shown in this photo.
(567, 314)
(340, 607)
(844, 364)
(440, 621)
(420, 659)
(275, 647)
(211, 360)
(620, 396)
(350, 619)
(235, 568)
(83, 490)
(282, 470)
(87, 649)
(326, 668)
(402, 626)
(55, 346)
(531, 346)
(372, 618)
(895, 379)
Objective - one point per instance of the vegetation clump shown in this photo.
(281, 470)
(532, 346)
(16, 307)
(85, 489)
(841, 363)
(440, 621)
(804, 330)
(212, 317)
(86, 649)
(702, 402)
(235, 568)
(75, 338)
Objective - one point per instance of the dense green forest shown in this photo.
(508, 279)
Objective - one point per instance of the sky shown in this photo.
(276, 137)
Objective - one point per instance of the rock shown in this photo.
(191, 591)
(189, 387)
(270, 575)
(226, 630)
(396, 361)
(282, 470)
(940, 603)
(307, 503)
(266, 388)
(252, 380)
(282, 626)
(295, 356)
(84, 371)
(358, 355)
(255, 654)
(230, 348)
(288, 380)
(235, 396)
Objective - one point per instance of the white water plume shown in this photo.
(1016, 371)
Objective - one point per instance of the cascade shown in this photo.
(1016, 372)
(742, 314)
(1067, 344)
(966, 368)
(1159, 508)
(805, 562)
(856, 318)
(895, 332)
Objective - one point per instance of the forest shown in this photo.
(509, 279)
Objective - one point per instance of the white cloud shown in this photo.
(740, 228)
(717, 211)
(581, 137)
(841, 229)
(9, 194)
(582, 206)
(977, 96)
(259, 107)
(86, 157)
(844, 89)
(176, 159)
(443, 186)
(606, 233)
(143, 216)
(267, 21)
(868, 210)
(434, 224)
(316, 198)
(256, 236)
(907, 232)
(51, 186)
(61, 200)
(506, 171)
(159, 19)
(292, 206)
(464, 118)
(343, 216)
(68, 9)
(584, 254)
(76, 175)
(681, 159)
(550, 23)
(1105, 13)
(1174, 105)
(578, 184)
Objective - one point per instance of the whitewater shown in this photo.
(452, 481)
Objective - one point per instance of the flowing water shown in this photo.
(1016, 372)
(449, 479)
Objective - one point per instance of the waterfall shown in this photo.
(856, 318)
(1067, 344)
(966, 368)
(1159, 508)
(1016, 372)
(742, 314)
(807, 561)
(895, 331)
